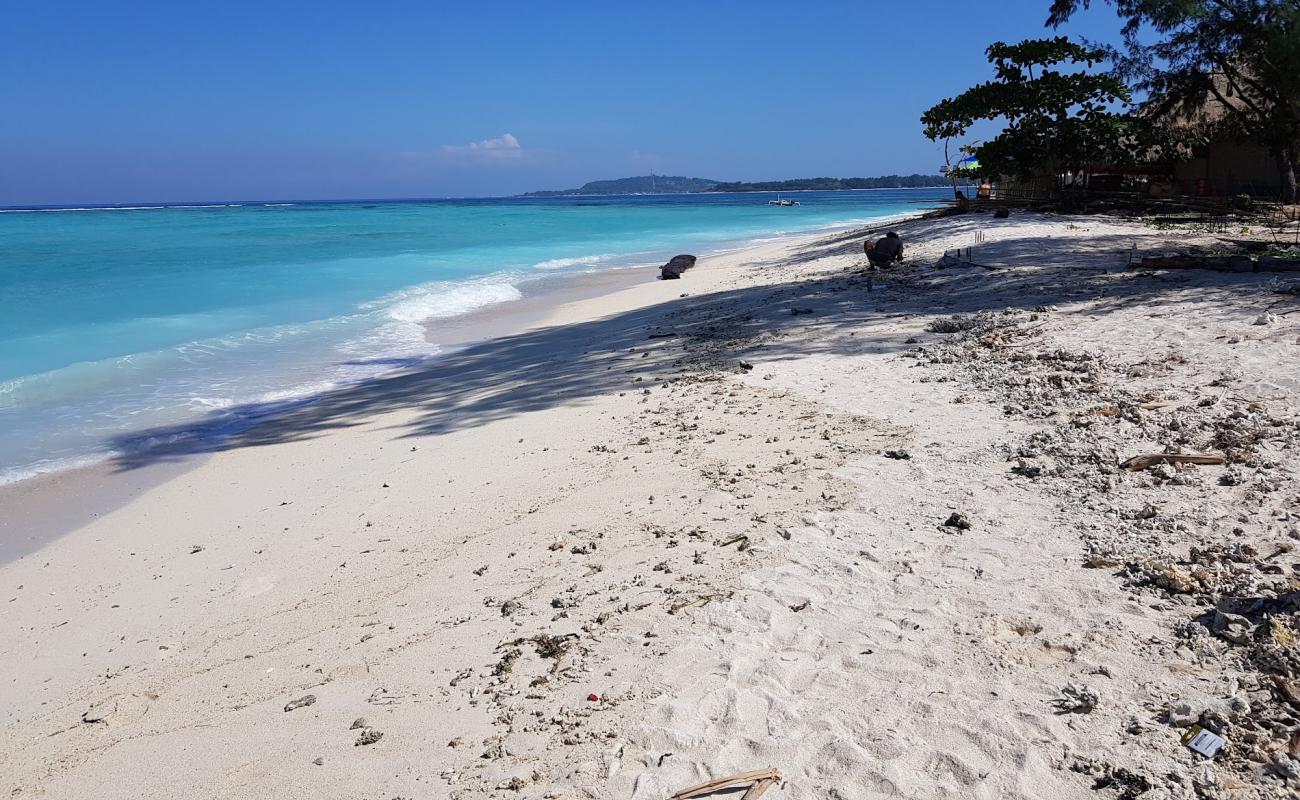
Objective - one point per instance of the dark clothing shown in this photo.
(886, 251)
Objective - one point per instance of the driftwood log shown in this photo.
(760, 780)
(676, 266)
(1142, 462)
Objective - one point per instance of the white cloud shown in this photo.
(503, 148)
(502, 151)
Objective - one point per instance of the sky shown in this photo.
(281, 99)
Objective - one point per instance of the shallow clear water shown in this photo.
(114, 321)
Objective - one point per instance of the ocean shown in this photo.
(117, 321)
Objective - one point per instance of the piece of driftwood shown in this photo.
(759, 780)
(676, 266)
(1142, 462)
(1156, 405)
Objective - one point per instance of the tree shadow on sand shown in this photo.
(845, 311)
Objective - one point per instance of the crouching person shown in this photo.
(885, 251)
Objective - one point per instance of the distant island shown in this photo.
(677, 184)
(642, 184)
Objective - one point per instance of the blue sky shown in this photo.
(174, 101)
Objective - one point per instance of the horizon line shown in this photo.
(266, 203)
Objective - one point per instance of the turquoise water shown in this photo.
(114, 321)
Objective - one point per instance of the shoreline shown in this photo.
(37, 514)
(538, 292)
(720, 507)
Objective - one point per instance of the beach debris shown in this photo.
(676, 266)
(503, 667)
(1096, 561)
(900, 455)
(481, 570)
(958, 520)
(759, 781)
(1266, 318)
(551, 645)
(1137, 463)
(1287, 768)
(1232, 627)
(301, 702)
(954, 324)
(116, 709)
(319, 761)
(1076, 698)
(1290, 691)
(195, 549)
(1002, 213)
(1182, 715)
(368, 736)
(510, 607)
(593, 698)
(358, 724)
(1155, 405)
(1206, 742)
(1130, 784)
(1027, 468)
(745, 366)
(799, 312)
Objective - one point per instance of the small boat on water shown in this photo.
(780, 202)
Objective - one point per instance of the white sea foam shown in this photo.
(444, 299)
(561, 263)
(88, 208)
(399, 336)
(16, 474)
(126, 208)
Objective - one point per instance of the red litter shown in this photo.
(593, 697)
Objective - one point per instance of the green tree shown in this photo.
(1059, 113)
(1241, 57)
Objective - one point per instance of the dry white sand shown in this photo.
(458, 558)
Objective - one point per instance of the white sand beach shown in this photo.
(692, 528)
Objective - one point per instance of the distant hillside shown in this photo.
(830, 184)
(642, 184)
